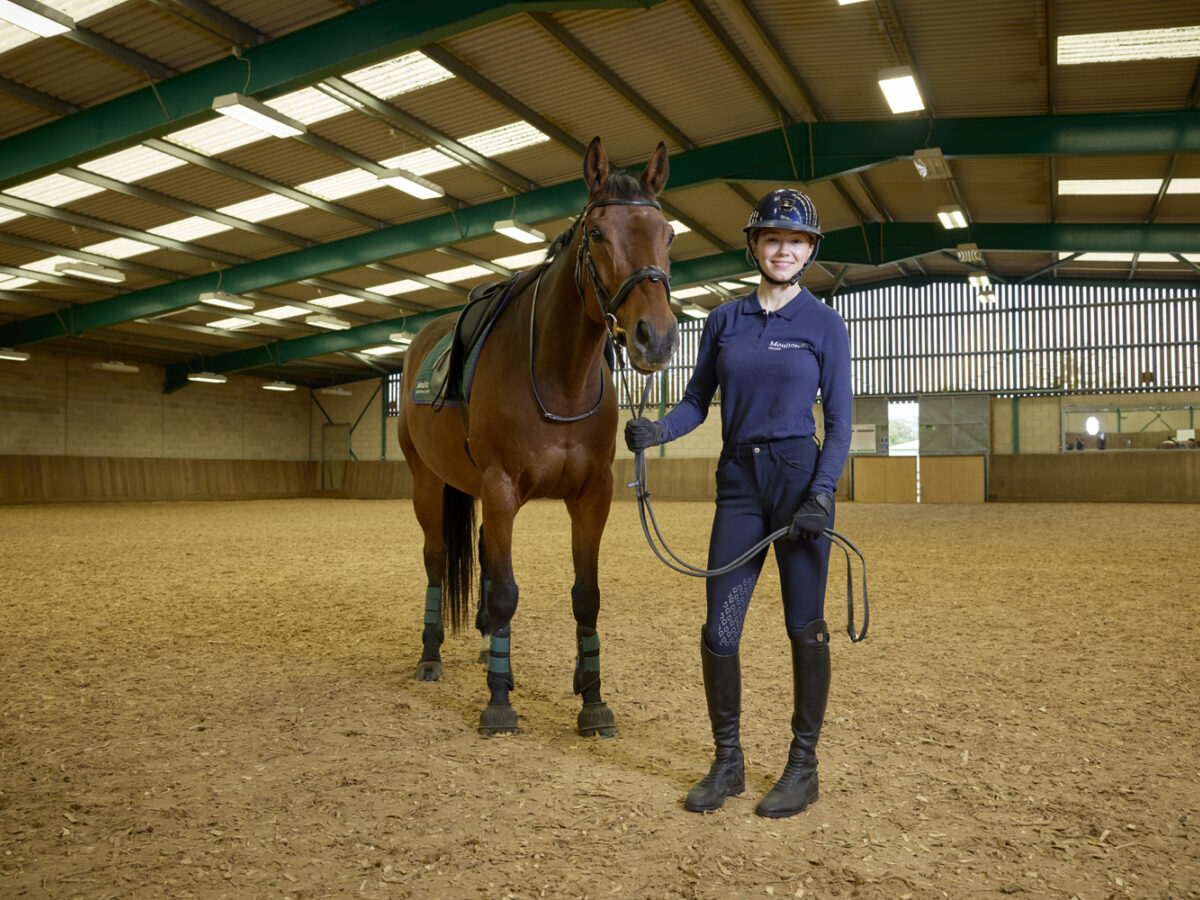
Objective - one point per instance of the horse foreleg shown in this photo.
(588, 517)
(499, 508)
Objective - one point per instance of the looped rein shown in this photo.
(584, 262)
(646, 513)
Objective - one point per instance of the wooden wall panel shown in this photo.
(885, 479)
(58, 479)
(1160, 476)
(953, 479)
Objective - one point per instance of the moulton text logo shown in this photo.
(788, 345)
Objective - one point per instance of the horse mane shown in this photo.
(620, 186)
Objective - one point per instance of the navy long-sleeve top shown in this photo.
(769, 367)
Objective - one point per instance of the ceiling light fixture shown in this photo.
(257, 115)
(968, 253)
(696, 312)
(336, 392)
(411, 183)
(952, 217)
(519, 231)
(90, 271)
(331, 323)
(14, 355)
(42, 20)
(979, 280)
(900, 89)
(931, 165)
(401, 337)
(207, 377)
(225, 299)
(115, 366)
(278, 386)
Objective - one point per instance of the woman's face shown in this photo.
(781, 253)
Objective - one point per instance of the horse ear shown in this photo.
(595, 167)
(654, 176)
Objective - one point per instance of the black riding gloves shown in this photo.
(642, 433)
(809, 521)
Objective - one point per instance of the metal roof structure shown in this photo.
(112, 154)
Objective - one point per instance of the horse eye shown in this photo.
(596, 234)
(671, 237)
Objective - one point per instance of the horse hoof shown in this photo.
(498, 719)
(428, 671)
(596, 720)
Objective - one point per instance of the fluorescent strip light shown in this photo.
(1184, 186)
(333, 301)
(401, 337)
(114, 365)
(337, 392)
(14, 355)
(900, 89)
(91, 271)
(257, 115)
(225, 299)
(979, 280)
(384, 350)
(931, 165)
(332, 323)
(231, 324)
(410, 183)
(35, 17)
(688, 293)
(952, 217)
(278, 386)
(206, 377)
(526, 260)
(519, 231)
(696, 312)
(848, 2)
(1122, 46)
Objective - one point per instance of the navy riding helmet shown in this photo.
(789, 209)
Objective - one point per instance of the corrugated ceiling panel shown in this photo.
(544, 76)
(1109, 87)
(154, 32)
(961, 65)
(70, 71)
(837, 51)
(632, 45)
(276, 19)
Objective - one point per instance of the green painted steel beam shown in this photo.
(278, 353)
(358, 38)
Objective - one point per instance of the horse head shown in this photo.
(623, 266)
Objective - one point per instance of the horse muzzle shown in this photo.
(650, 348)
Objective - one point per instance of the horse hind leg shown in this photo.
(482, 622)
(427, 503)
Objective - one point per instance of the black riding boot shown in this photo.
(723, 688)
(797, 787)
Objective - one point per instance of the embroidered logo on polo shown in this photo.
(789, 345)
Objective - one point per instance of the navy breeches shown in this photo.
(759, 489)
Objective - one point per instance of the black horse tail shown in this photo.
(458, 534)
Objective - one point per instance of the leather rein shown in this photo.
(608, 304)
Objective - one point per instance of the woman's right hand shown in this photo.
(642, 433)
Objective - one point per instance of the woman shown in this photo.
(769, 353)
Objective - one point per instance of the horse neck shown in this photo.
(568, 345)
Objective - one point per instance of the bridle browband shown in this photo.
(608, 304)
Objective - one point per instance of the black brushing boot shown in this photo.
(723, 688)
(797, 787)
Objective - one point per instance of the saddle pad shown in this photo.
(423, 388)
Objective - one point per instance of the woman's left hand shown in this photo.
(809, 521)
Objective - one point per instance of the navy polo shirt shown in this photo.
(769, 367)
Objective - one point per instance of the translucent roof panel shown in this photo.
(132, 165)
(54, 190)
(265, 207)
(189, 229)
(399, 75)
(121, 248)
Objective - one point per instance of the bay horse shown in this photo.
(540, 421)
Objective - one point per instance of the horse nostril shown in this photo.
(643, 337)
